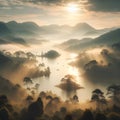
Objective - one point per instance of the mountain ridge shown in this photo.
(32, 30)
(106, 39)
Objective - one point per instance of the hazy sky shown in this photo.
(98, 13)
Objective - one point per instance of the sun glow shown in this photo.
(72, 8)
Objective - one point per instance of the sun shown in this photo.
(72, 8)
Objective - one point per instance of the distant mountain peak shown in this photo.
(83, 27)
(83, 23)
(12, 22)
(30, 23)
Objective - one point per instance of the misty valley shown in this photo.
(59, 72)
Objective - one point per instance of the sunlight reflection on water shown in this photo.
(59, 68)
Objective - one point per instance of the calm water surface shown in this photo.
(59, 68)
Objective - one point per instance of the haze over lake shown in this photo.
(59, 60)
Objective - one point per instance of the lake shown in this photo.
(59, 67)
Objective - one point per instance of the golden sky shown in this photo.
(97, 13)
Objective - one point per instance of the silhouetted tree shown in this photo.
(100, 116)
(63, 111)
(75, 99)
(19, 54)
(29, 99)
(68, 117)
(3, 100)
(47, 72)
(27, 81)
(56, 117)
(49, 106)
(37, 86)
(116, 108)
(98, 97)
(104, 52)
(91, 64)
(87, 115)
(30, 55)
(49, 97)
(56, 99)
(4, 115)
(35, 109)
(114, 92)
(33, 92)
(42, 94)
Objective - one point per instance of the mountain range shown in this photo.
(25, 28)
(21, 33)
(107, 39)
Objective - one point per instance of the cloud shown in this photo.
(101, 68)
(103, 5)
(46, 2)
(52, 2)
(35, 2)
(6, 3)
(3, 3)
(90, 5)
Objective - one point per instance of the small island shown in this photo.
(52, 54)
